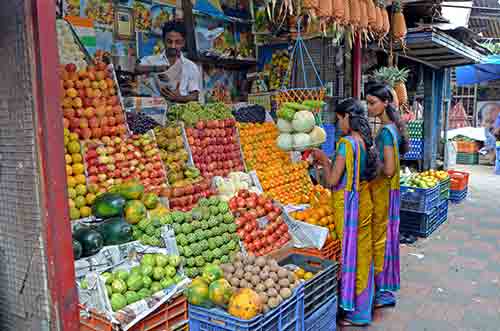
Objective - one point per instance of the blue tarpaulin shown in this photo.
(487, 70)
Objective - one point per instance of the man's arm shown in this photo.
(147, 68)
(175, 96)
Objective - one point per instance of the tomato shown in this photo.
(254, 234)
(233, 204)
(270, 240)
(261, 200)
(251, 203)
(248, 227)
(260, 211)
(241, 233)
(251, 246)
(272, 216)
(277, 210)
(243, 193)
(240, 221)
(268, 206)
(253, 214)
(254, 196)
(240, 202)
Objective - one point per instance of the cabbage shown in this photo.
(303, 121)
(284, 125)
(285, 141)
(318, 135)
(301, 141)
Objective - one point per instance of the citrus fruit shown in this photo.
(77, 158)
(66, 132)
(68, 159)
(66, 140)
(71, 203)
(69, 170)
(78, 168)
(71, 193)
(308, 275)
(81, 189)
(73, 136)
(71, 181)
(93, 188)
(90, 197)
(74, 213)
(74, 147)
(80, 201)
(80, 179)
(85, 211)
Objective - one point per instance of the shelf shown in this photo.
(226, 62)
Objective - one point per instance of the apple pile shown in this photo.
(260, 223)
(116, 160)
(90, 104)
(186, 197)
(215, 147)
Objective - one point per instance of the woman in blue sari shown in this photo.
(355, 165)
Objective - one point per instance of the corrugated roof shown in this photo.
(485, 22)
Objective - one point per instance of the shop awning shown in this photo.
(437, 49)
(487, 70)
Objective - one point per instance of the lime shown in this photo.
(85, 211)
(80, 201)
(74, 213)
(72, 193)
(78, 168)
(74, 147)
(81, 189)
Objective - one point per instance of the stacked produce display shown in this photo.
(416, 141)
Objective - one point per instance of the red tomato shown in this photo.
(268, 206)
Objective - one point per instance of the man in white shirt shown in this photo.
(174, 67)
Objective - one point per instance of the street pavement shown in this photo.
(451, 280)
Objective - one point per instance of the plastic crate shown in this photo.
(467, 146)
(467, 158)
(329, 145)
(416, 150)
(458, 196)
(330, 251)
(421, 224)
(459, 180)
(168, 317)
(324, 318)
(289, 316)
(444, 189)
(419, 200)
(322, 287)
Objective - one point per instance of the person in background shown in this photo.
(188, 87)
(391, 142)
(496, 127)
(355, 165)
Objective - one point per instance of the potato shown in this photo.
(284, 282)
(244, 284)
(266, 268)
(264, 275)
(239, 273)
(230, 268)
(273, 276)
(238, 265)
(291, 277)
(249, 268)
(235, 282)
(248, 276)
(282, 273)
(256, 270)
(273, 303)
(272, 292)
(260, 287)
(255, 280)
(285, 293)
(260, 262)
(263, 297)
(238, 257)
(269, 283)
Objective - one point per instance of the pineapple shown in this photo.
(397, 79)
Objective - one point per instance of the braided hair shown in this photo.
(384, 93)
(358, 121)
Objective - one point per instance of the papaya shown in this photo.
(108, 205)
(211, 273)
(245, 304)
(135, 211)
(197, 294)
(220, 291)
(131, 190)
(150, 200)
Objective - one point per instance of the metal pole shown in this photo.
(476, 117)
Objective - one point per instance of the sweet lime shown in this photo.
(71, 203)
(81, 189)
(69, 170)
(71, 181)
(77, 158)
(80, 201)
(68, 159)
(74, 213)
(66, 140)
(90, 197)
(72, 193)
(74, 147)
(73, 137)
(80, 179)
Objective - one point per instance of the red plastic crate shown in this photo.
(467, 146)
(330, 251)
(167, 317)
(459, 180)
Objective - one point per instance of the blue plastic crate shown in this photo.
(416, 150)
(418, 199)
(497, 166)
(289, 316)
(322, 287)
(444, 190)
(421, 224)
(324, 318)
(458, 196)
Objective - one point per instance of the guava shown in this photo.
(135, 283)
(118, 301)
(166, 282)
(122, 274)
(135, 271)
(156, 287)
(131, 297)
(146, 281)
(158, 273)
(161, 260)
(169, 271)
(174, 260)
(118, 286)
(148, 259)
(108, 278)
(146, 270)
(144, 293)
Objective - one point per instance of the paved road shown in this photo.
(451, 281)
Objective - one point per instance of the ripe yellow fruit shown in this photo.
(80, 179)
(90, 197)
(71, 181)
(93, 188)
(66, 140)
(74, 213)
(71, 203)
(68, 159)
(77, 158)
(66, 132)
(74, 147)
(78, 168)
(73, 137)
(85, 211)
(81, 189)
(69, 170)
(308, 275)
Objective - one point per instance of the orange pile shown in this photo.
(258, 142)
(287, 183)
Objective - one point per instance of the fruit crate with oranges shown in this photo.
(459, 180)
(288, 184)
(320, 276)
(170, 316)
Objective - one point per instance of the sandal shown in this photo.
(385, 305)
(344, 322)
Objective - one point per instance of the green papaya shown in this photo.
(131, 190)
(108, 205)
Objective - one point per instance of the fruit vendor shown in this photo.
(175, 77)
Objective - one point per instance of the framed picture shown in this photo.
(124, 24)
